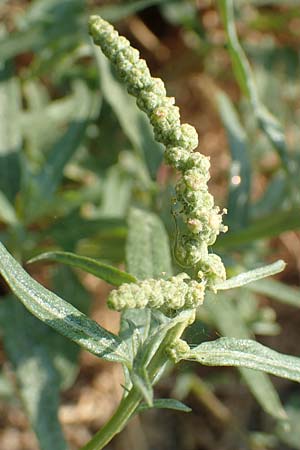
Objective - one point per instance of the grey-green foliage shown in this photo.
(39, 188)
(44, 361)
(10, 132)
(37, 379)
(58, 314)
(148, 250)
(229, 322)
(107, 273)
(240, 169)
(242, 353)
(267, 122)
(147, 256)
(278, 291)
(246, 278)
(147, 236)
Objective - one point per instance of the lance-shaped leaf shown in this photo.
(104, 271)
(229, 321)
(267, 122)
(38, 189)
(59, 314)
(251, 275)
(165, 403)
(10, 132)
(278, 291)
(266, 227)
(246, 353)
(117, 12)
(240, 169)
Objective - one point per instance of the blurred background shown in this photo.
(75, 153)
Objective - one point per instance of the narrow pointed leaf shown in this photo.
(266, 227)
(251, 276)
(246, 353)
(38, 189)
(59, 314)
(240, 168)
(120, 11)
(10, 132)
(64, 352)
(278, 291)
(103, 271)
(230, 323)
(165, 403)
(243, 72)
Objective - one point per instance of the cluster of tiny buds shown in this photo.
(176, 293)
(203, 220)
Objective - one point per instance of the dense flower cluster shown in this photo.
(178, 292)
(203, 220)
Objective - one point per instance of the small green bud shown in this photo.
(195, 294)
(195, 179)
(193, 200)
(199, 161)
(164, 119)
(127, 54)
(211, 270)
(177, 157)
(190, 250)
(113, 45)
(184, 136)
(138, 78)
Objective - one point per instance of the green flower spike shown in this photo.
(176, 293)
(203, 220)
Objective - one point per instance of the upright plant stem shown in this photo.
(130, 403)
(118, 421)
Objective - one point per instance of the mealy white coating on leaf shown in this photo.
(242, 353)
(59, 314)
(252, 275)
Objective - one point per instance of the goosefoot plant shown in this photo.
(156, 310)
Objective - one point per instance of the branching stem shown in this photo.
(130, 403)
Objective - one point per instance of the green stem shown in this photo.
(118, 421)
(129, 404)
